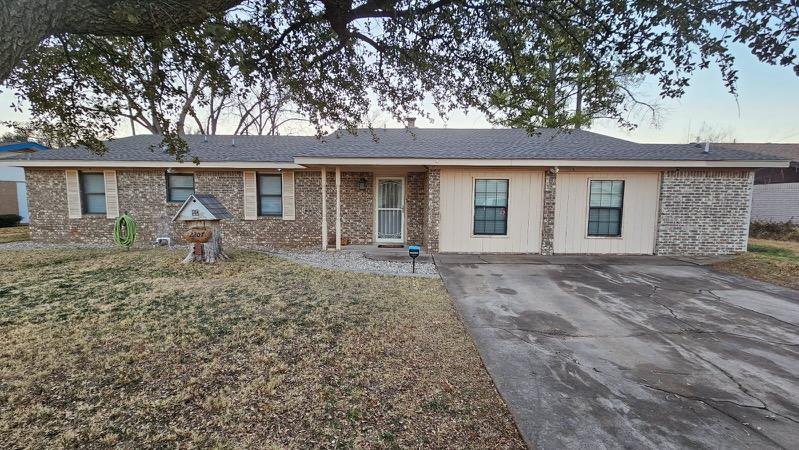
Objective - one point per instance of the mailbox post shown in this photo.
(413, 252)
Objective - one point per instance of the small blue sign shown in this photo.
(413, 250)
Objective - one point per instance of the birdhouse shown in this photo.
(201, 207)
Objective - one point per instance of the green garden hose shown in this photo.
(125, 230)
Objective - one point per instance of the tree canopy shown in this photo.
(523, 63)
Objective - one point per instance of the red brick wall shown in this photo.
(357, 207)
(142, 192)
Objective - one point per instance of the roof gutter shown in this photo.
(305, 161)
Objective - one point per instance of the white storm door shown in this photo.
(390, 211)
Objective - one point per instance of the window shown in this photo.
(604, 208)
(490, 207)
(270, 195)
(92, 193)
(179, 186)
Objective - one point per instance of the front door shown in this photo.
(390, 209)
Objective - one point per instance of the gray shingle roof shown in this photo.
(435, 143)
(213, 148)
(505, 143)
(778, 151)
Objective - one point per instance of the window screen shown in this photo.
(92, 190)
(605, 207)
(179, 186)
(491, 207)
(270, 195)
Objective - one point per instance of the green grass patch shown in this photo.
(773, 252)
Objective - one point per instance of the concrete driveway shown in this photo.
(604, 352)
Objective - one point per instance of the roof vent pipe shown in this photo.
(411, 121)
(233, 142)
(707, 148)
(205, 138)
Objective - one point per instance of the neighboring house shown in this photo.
(13, 194)
(450, 190)
(776, 192)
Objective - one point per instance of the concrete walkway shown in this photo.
(635, 352)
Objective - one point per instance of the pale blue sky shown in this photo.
(767, 109)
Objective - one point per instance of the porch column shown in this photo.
(338, 208)
(324, 208)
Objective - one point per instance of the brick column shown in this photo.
(432, 211)
(548, 225)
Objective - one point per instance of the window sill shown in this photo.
(604, 237)
(280, 217)
(489, 236)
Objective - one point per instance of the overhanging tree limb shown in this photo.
(26, 23)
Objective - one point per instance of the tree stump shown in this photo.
(211, 250)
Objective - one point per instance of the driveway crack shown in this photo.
(721, 299)
(651, 297)
(712, 403)
(741, 387)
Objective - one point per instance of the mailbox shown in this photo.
(413, 252)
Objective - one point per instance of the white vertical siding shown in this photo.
(525, 200)
(776, 202)
(639, 216)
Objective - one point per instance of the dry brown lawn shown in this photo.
(112, 348)
(767, 260)
(13, 234)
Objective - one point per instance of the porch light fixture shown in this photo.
(362, 184)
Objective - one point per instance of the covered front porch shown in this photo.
(374, 207)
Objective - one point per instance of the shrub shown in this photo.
(9, 220)
(780, 231)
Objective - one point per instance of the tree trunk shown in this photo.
(212, 250)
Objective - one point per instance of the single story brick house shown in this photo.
(449, 190)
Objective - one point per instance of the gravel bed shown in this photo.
(350, 261)
(30, 245)
(353, 261)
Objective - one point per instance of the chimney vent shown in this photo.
(707, 148)
(411, 121)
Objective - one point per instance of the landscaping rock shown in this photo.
(353, 261)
